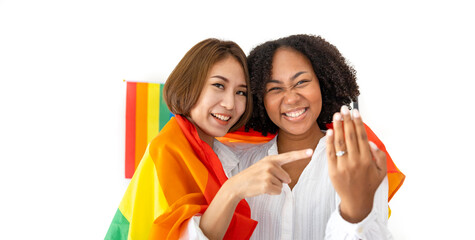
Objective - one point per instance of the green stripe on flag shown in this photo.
(164, 112)
(119, 228)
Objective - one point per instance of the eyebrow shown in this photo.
(227, 80)
(297, 75)
(291, 78)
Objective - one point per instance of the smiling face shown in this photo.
(222, 100)
(292, 98)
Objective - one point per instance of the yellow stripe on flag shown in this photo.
(144, 200)
(153, 110)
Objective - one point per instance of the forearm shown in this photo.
(373, 226)
(215, 220)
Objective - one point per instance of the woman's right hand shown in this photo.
(265, 176)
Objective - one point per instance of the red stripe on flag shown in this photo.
(130, 130)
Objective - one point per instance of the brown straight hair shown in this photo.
(184, 85)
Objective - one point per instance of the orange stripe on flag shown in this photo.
(141, 122)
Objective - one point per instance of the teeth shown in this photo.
(295, 113)
(221, 117)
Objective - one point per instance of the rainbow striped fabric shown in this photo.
(146, 114)
(176, 179)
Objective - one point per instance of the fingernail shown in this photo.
(345, 110)
(337, 117)
(329, 132)
(373, 146)
(309, 152)
(356, 113)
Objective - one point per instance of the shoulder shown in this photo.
(171, 134)
(170, 144)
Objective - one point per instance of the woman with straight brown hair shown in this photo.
(180, 173)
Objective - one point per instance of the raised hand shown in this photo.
(356, 166)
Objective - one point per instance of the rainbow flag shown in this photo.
(146, 114)
(177, 178)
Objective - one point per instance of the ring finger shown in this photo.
(340, 146)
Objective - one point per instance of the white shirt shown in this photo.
(309, 210)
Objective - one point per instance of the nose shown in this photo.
(228, 100)
(291, 97)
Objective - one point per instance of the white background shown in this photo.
(62, 98)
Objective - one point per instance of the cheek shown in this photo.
(271, 105)
(318, 100)
(194, 114)
(314, 96)
(240, 105)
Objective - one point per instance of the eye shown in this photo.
(241, 93)
(301, 82)
(274, 89)
(218, 85)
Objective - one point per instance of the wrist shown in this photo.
(230, 194)
(355, 212)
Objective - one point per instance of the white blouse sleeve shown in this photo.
(374, 226)
(193, 230)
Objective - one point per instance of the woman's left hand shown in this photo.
(356, 166)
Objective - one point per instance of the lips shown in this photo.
(221, 117)
(295, 113)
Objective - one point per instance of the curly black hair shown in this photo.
(336, 77)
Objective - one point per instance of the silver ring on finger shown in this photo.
(340, 153)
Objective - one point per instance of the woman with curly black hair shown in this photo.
(300, 84)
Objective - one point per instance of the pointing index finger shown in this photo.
(288, 157)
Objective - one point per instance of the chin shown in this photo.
(297, 130)
(217, 133)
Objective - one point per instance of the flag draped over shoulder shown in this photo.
(176, 179)
(146, 114)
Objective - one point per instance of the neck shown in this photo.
(203, 136)
(287, 142)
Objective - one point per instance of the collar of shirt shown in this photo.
(228, 159)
